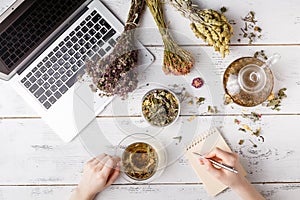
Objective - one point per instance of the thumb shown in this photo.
(211, 169)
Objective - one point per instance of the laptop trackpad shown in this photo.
(92, 99)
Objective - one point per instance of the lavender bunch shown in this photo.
(116, 73)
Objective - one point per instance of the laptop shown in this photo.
(43, 48)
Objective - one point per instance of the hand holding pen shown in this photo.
(224, 171)
(227, 164)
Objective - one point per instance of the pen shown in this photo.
(229, 168)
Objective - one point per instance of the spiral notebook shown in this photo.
(204, 144)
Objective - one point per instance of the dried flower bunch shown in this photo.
(177, 61)
(210, 25)
(116, 73)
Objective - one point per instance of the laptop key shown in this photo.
(69, 73)
(29, 74)
(43, 98)
(61, 70)
(50, 71)
(74, 68)
(23, 80)
(56, 66)
(48, 64)
(48, 93)
(74, 78)
(58, 54)
(61, 62)
(27, 84)
(102, 52)
(67, 65)
(51, 80)
(63, 89)
(105, 24)
(32, 79)
(58, 83)
(45, 77)
(40, 82)
(52, 100)
(112, 42)
(56, 75)
(71, 52)
(47, 105)
(90, 24)
(39, 92)
(33, 88)
(64, 49)
(111, 33)
(103, 30)
(64, 78)
(94, 12)
(57, 95)
(66, 57)
(53, 88)
(43, 69)
(76, 47)
(38, 74)
(34, 69)
(96, 18)
(108, 48)
(72, 60)
(46, 85)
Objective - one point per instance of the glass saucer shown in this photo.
(238, 94)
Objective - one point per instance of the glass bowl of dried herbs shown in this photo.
(160, 107)
(143, 158)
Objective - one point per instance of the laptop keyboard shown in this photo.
(30, 29)
(60, 69)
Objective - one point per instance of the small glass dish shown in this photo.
(160, 107)
(143, 158)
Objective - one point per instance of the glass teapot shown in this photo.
(249, 81)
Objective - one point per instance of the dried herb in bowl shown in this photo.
(116, 73)
(160, 107)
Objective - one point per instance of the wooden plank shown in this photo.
(285, 31)
(147, 192)
(210, 67)
(36, 155)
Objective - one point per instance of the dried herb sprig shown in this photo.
(177, 61)
(250, 31)
(116, 73)
(209, 25)
(275, 101)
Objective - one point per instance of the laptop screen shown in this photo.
(27, 30)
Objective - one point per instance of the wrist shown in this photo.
(84, 196)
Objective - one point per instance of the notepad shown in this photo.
(204, 144)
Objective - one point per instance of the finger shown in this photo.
(201, 161)
(108, 166)
(92, 162)
(212, 170)
(113, 177)
(102, 162)
(101, 156)
(217, 152)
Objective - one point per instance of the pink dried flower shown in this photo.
(197, 82)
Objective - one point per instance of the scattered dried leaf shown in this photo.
(241, 142)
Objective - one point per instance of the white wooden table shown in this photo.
(36, 164)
